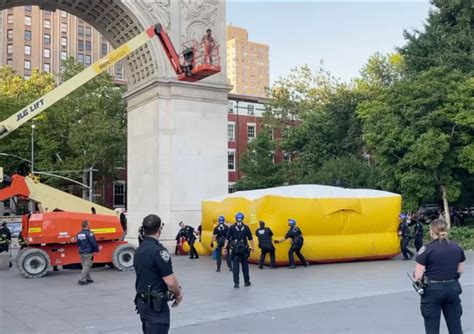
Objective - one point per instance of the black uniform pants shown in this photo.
(240, 259)
(295, 249)
(267, 249)
(153, 322)
(442, 297)
(192, 251)
(219, 257)
(418, 242)
(4, 248)
(407, 254)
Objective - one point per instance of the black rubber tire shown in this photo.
(33, 262)
(122, 257)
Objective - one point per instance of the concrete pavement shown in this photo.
(358, 297)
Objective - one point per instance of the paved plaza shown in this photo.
(357, 297)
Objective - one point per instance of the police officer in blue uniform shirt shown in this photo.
(87, 247)
(264, 235)
(188, 232)
(442, 261)
(155, 279)
(297, 240)
(219, 236)
(404, 235)
(418, 232)
(239, 237)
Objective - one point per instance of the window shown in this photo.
(10, 18)
(63, 14)
(26, 77)
(231, 160)
(47, 39)
(10, 49)
(28, 50)
(87, 31)
(28, 8)
(87, 60)
(80, 58)
(46, 67)
(250, 109)
(231, 188)
(27, 20)
(47, 53)
(46, 12)
(80, 45)
(231, 107)
(251, 131)
(63, 27)
(119, 193)
(10, 34)
(104, 49)
(88, 46)
(27, 65)
(63, 55)
(47, 24)
(10, 62)
(27, 35)
(63, 41)
(231, 131)
(80, 30)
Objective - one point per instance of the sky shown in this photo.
(344, 34)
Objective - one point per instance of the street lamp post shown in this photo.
(32, 149)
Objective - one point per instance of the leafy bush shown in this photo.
(463, 236)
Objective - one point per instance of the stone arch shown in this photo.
(118, 22)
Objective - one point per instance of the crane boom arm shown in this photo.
(47, 100)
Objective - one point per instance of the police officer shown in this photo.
(404, 235)
(297, 240)
(87, 247)
(418, 232)
(5, 238)
(189, 234)
(239, 237)
(155, 278)
(442, 261)
(264, 235)
(219, 236)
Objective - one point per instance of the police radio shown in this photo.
(417, 285)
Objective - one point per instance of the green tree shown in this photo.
(420, 132)
(257, 164)
(381, 71)
(447, 40)
(347, 171)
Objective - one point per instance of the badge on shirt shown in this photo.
(422, 250)
(165, 255)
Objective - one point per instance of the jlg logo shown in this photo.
(31, 108)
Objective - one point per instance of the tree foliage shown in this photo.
(257, 164)
(447, 40)
(418, 131)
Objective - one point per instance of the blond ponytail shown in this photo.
(440, 228)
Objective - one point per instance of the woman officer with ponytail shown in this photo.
(442, 261)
